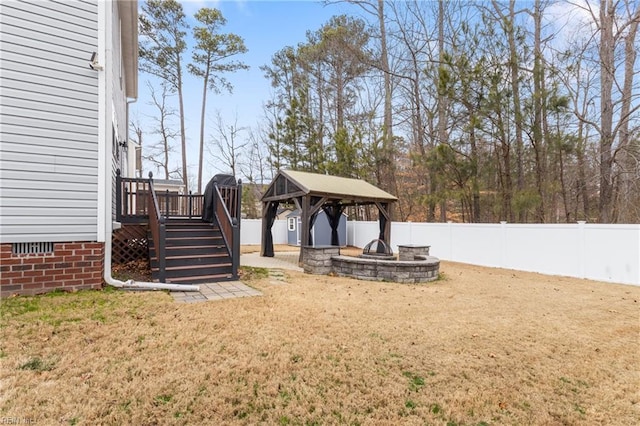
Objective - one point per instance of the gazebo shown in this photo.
(312, 192)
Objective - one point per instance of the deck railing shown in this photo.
(132, 196)
(131, 199)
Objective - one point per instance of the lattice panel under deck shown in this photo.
(129, 243)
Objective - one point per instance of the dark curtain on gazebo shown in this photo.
(334, 213)
(383, 224)
(272, 210)
(312, 220)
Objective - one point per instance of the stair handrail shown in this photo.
(229, 225)
(158, 229)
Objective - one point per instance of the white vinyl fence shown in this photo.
(599, 252)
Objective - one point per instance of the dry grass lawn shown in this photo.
(480, 346)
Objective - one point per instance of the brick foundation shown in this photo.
(71, 266)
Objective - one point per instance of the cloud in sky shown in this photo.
(571, 20)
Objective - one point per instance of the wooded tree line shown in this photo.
(524, 111)
(469, 111)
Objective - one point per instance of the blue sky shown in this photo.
(266, 26)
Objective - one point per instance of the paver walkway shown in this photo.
(215, 291)
(280, 260)
(233, 289)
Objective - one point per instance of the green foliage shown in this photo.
(163, 399)
(162, 28)
(249, 273)
(212, 50)
(525, 201)
(415, 382)
(316, 90)
(250, 202)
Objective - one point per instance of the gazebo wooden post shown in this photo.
(304, 221)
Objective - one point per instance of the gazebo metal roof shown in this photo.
(289, 184)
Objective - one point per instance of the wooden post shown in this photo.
(235, 221)
(162, 262)
(166, 203)
(118, 196)
(304, 232)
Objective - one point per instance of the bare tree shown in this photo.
(254, 165)
(616, 23)
(159, 150)
(226, 147)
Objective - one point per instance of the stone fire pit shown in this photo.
(414, 264)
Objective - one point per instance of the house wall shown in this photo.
(49, 121)
(61, 122)
(121, 158)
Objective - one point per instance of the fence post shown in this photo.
(189, 204)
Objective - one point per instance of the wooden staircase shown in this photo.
(195, 252)
(192, 238)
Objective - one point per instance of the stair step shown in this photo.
(193, 270)
(200, 279)
(187, 241)
(190, 250)
(200, 256)
(191, 233)
(207, 260)
(190, 267)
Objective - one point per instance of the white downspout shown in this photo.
(105, 194)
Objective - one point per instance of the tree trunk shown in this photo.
(202, 116)
(183, 136)
(538, 98)
(475, 189)
(443, 101)
(607, 67)
(389, 172)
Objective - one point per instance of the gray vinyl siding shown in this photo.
(48, 121)
(120, 126)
